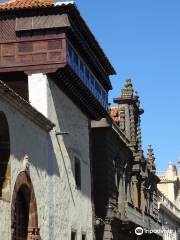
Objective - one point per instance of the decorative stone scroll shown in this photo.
(25, 164)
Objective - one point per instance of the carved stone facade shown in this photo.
(125, 181)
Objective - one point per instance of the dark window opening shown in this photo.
(4, 158)
(73, 235)
(78, 173)
(83, 236)
(22, 214)
(18, 81)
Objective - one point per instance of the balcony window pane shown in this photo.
(83, 72)
(87, 73)
(75, 58)
(81, 66)
(92, 80)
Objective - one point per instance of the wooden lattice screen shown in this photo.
(7, 29)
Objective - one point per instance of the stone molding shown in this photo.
(24, 107)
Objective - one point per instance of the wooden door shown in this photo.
(21, 217)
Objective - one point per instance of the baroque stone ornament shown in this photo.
(25, 164)
(129, 120)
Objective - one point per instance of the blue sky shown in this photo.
(142, 40)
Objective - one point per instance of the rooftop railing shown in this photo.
(168, 204)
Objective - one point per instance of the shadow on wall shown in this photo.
(4, 158)
(19, 137)
(73, 143)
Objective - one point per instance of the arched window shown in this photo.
(5, 170)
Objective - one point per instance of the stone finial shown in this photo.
(151, 160)
(127, 91)
(179, 164)
(25, 163)
(150, 154)
(136, 94)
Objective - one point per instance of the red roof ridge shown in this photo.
(24, 4)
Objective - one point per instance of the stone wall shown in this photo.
(109, 152)
(69, 208)
(61, 207)
(26, 138)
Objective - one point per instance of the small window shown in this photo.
(73, 235)
(83, 236)
(78, 173)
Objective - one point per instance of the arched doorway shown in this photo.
(24, 210)
(21, 215)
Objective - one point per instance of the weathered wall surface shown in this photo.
(69, 208)
(61, 206)
(72, 207)
(26, 138)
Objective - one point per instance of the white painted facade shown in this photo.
(61, 206)
(168, 202)
(169, 216)
(26, 138)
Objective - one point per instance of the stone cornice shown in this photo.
(24, 107)
(109, 123)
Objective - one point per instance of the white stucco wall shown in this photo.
(69, 208)
(26, 138)
(61, 207)
(37, 88)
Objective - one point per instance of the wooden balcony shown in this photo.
(33, 54)
(54, 54)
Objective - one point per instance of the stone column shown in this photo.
(107, 232)
(135, 191)
(142, 198)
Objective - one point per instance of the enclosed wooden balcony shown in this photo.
(55, 55)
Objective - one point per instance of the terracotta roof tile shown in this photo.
(25, 4)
